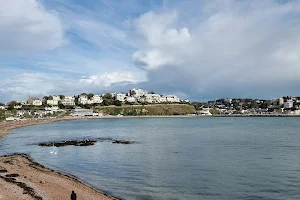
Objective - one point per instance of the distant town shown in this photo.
(139, 102)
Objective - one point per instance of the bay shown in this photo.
(174, 158)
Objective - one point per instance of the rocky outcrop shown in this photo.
(122, 142)
(68, 143)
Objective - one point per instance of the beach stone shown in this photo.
(122, 142)
(11, 175)
(42, 182)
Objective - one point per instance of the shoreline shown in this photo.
(22, 177)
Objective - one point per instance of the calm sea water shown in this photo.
(174, 158)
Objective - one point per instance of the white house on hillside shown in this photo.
(97, 99)
(34, 101)
(169, 98)
(137, 92)
(83, 99)
(120, 97)
(288, 103)
(152, 98)
(53, 101)
(130, 99)
(68, 101)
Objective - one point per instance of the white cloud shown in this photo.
(107, 79)
(222, 48)
(160, 40)
(41, 84)
(26, 26)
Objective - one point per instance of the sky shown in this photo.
(196, 49)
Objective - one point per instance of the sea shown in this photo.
(209, 158)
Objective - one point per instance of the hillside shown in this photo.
(156, 109)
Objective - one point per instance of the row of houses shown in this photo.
(134, 95)
(54, 101)
(139, 95)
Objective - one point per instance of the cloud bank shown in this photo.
(200, 50)
(26, 27)
(227, 48)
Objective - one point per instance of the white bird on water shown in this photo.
(53, 151)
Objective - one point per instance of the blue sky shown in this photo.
(197, 49)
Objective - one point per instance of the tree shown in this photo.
(107, 96)
(128, 103)
(151, 92)
(62, 97)
(2, 115)
(118, 103)
(60, 105)
(106, 102)
(46, 98)
(76, 100)
(90, 96)
(87, 106)
(12, 103)
(27, 115)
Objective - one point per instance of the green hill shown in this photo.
(156, 109)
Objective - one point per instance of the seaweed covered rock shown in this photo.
(122, 142)
(68, 143)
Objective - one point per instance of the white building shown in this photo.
(18, 106)
(288, 103)
(172, 99)
(80, 112)
(37, 102)
(2, 108)
(137, 92)
(130, 99)
(53, 101)
(34, 101)
(152, 98)
(205, 111)
(68, 101)
(97, 99)
(169, 98)
(83, 99)
(120, 97)
(280, 101)
(53, 108)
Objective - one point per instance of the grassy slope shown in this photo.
(157, 109)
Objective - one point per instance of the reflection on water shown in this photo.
(174, 158)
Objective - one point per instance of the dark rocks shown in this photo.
(26, 189)
(68, 143)
(11, 175)
(122, 142)
(3, 171)
(87, 142)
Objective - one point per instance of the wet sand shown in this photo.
(22, 178)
